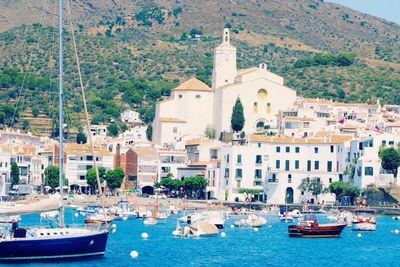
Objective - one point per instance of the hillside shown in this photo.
(134, 52)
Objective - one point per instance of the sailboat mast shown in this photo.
(61, 119)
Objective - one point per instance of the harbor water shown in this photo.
(270, 246)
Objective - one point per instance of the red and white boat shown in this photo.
(363, 220)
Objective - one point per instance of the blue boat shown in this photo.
(52, 243)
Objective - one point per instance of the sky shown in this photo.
(387, 9)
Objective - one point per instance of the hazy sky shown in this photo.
(387, 9)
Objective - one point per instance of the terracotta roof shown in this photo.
(84, 149)
(294, 140)
(166, 119)
(192, 84)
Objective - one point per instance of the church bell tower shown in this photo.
(224, 71)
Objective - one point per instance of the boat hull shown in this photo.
(332, 230)
(55, 248)
(363, 226)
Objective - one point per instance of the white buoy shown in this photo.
(113, 231)
(223, 234)
(76, 215)
(394, 218)
(358, 235)
(175, 233)
(255, 229)
(232, 226)
(113, 226)
(396, 231)
(269, 226)
(145, 235)
(134, 254)
(82, 213)
(125, 218)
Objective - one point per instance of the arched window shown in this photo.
(289, 178)
(262, 93)
(260, 125)
(268, 108)
(255, 107)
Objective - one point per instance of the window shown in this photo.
(82, 177)
(391, 143)
(316, 165)
(287, 149)
(316, 150)
(308, 165)
(262, 93)
(258, 159)
(180, 96)
(273, 179)
(383, 143)
(296, 164)
(258, 174)
(255, 107)
(297, 149)
(238, 173)
(332, 149)
(259, 145)
(89, 157)
(330, 180)
(277, 164)
(226, 172)
(287, 163)
(369, 171)
(198, 96)
(175, 129)
(289, 178)
(278, 149)
(227, 158)
(268, 108)
(329, 166)
(239, 158)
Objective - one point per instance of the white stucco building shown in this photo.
(193, 106)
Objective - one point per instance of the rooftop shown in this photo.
(192, 84)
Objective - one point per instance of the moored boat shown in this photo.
(200, 228)
(309, 227)
(363, 220)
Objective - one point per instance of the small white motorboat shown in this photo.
(150, 221)
(216, 217)
(251, 221)
(200, 228)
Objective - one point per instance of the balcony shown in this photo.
(273, 181)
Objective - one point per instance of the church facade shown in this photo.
(194, 106)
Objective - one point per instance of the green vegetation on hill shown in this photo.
(131, 56)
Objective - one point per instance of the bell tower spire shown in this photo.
(224, 71)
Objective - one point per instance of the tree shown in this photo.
(25, 125)
(390, 160)
(14, 174)
(341, 189)
(81, 138)
(209, 132)
(249, 193)
(51, 174)
(112, 130)
(91, 176)
(114, 178)
(237, 119)
(194, 184)
(313, 186)
(149, 132)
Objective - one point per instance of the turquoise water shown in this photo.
(270, 246)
